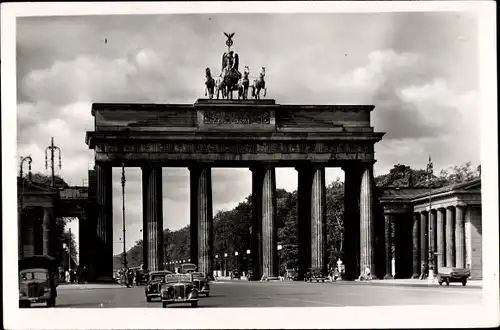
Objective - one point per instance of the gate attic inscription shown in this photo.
(223, 132)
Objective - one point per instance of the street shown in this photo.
(277, 294)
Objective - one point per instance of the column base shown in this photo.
(388, 277)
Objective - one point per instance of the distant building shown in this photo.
(455, 232)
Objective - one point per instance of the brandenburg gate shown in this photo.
(254, 133)
(257, 134)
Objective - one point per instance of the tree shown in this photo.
(46, 180)
(459, 174)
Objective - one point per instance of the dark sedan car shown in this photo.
(153, 286)
(179, 289)
(200, 281)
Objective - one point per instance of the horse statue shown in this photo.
(259, 84)
(220, 88)
(243, 84)
(209, 84)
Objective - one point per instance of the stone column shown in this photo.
(269, 228)
(450, 244)
(201, 196)
(104, 262)
(388, 246)
(319, 258)
(460, 236)
(440, 238)
(152, 225)
(424, 242)
(416, 245)
(304, 218)
(47, 225)
(352, 185)
(367, 251)
(256, 245)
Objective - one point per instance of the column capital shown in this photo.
(199, 166)
(451, 207)
(261, 166)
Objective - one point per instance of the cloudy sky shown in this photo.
(420, 70)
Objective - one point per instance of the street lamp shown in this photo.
(216, 261)
(123, 217)
(280, 247)
(225, 264)
(248, 264)
(236, 255)
(432, 257)
(52, 148)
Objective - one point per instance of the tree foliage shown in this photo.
(233, 232)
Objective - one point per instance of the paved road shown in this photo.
(279, 294)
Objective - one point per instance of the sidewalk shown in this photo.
(472, 284)
(416, 282)
(88, 286)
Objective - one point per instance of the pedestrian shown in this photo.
(423, 271)
(368, 274)
(137, 278)
(130, 278)
(124, 277)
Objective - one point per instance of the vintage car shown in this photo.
(200, 281)
(449, 274)
(236, 274)
(179, 289)
(38, 279)
(315, 274)
(187, 268)
(154, 282)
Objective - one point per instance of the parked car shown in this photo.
(318, 275)
(200, 281)
(449, 274)
(187, 268)
(38, 281)
(179, 289)
(153, 285)
(235, 274)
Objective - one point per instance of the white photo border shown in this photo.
(335, 317)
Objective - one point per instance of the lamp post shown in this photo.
(280, 247)
(123, 217)
(69, 250)
(430, 236)
(225, 264)
(216, 261)
(236, 256)
(21, 201)
(51, 149)
(248, 260)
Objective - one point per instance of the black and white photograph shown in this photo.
(249, 165)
